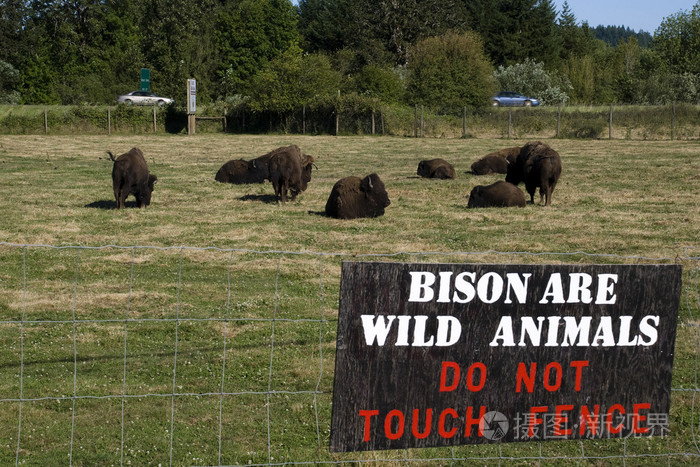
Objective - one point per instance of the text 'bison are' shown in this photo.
(353, 197)
(130, 176)
(436, 168)
(539, 166)
(499, 195)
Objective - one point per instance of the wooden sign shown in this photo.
(448, 354)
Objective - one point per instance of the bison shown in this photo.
(496, 162)
(290, 170)
(256, 170)
(500, 194)
(436, 168)
(130, 176)
(352, 197)
(539, 166)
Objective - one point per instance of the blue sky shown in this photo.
(636, 14)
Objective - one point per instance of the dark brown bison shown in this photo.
(500, 195)
(539, 166)
(130, 176)
(436, 168)
(290, 170)
(255, 170)
(353, 197)
(496, 162)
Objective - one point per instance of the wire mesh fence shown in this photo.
(203, 356)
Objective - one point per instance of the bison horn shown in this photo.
(314, 164)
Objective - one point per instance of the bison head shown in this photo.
(375, 195)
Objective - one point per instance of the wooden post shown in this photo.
(610, 123)
(464, 121)
(421, 120)
(372, 121)
(673, 120)
(558, 119)
(190, 124)
(303, 120)
(415, 122)
(337, 115)
(155, 128)
(46, 121)
(109, 121)
(510, 121)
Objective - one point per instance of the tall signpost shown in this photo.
(191, 105)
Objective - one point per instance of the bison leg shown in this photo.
(120, 195)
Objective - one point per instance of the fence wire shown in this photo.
(205, 356)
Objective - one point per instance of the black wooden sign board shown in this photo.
(448, 354)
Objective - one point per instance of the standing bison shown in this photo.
(290, 171)
(496, 162)
(130, 176)
(352, 197)
(253, 171)
(500, 195)
(539, 166)
(436, 168)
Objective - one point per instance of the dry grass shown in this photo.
(614, 197)
(622, 197)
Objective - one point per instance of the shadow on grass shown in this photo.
(105, 204)
(269, 199)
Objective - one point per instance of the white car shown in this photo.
(143, 98)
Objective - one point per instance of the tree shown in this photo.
(677, 41)
(451, 70)
(531, 79)
(250, 34)
(292, 80)
(178, 43)
(9, 81)
(523, 29)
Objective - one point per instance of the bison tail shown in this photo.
(111, 156)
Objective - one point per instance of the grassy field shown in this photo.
(249, 307)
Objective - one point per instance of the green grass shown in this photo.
(628, 199)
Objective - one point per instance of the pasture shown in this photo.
(201, 329)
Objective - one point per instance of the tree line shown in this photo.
(273, 56)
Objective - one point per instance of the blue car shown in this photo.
(507, 98)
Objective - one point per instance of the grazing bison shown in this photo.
(500, 194)
(290, 170)
(352, 197)
(539, 166)
(436, 168)
(130, 176)
(496, 162)
(253, 171)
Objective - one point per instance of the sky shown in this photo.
(645, 15)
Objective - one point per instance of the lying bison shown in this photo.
(539, 166)
(290, 171)
(436, 168)
(495, 162)
(130, 176)
(352, 197)
(500, 195)
(253, 171)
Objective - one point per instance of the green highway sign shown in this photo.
(145, 79)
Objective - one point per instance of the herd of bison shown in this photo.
(535, 164)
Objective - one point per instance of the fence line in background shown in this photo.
(316, 389)
(630, 122)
